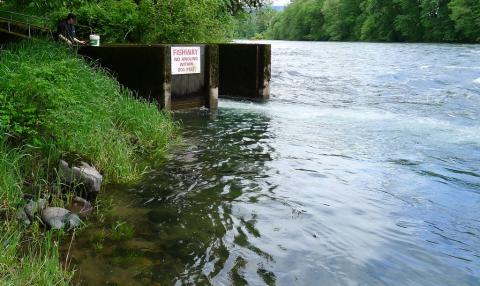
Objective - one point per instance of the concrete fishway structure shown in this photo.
(240, 71)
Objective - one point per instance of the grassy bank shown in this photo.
(54, 105)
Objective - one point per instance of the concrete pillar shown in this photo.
(264, 62)
(211, 70)
(166, 100)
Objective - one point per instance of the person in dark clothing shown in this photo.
(66, 31)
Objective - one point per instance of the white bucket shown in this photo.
(95, 40)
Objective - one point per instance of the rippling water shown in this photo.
(363, 169)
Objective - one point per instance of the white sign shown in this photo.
(186, 60)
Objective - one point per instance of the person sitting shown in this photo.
(66, 31)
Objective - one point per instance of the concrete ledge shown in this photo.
(212, 59)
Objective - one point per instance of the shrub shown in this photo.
(145, 21)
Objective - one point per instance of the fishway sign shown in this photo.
(186, 60)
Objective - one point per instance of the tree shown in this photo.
(379, 21)
(341, 19)
(435, 19)
(235, 6)
(466, 16)
(254, 24)
(407, 22)
(301, 20)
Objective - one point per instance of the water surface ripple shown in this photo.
(363, 169)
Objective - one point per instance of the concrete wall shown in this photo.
(231, 70)
(146, 69)
(245, 71)
(141, 68)
(189, 91)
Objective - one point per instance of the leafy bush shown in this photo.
(145, 21)
(254, 24)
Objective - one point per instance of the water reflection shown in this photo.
(184, 228)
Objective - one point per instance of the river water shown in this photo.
(363, 169)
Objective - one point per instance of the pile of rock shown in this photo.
(55, 218)
(85, 177)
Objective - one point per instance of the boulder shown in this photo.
(73, 221)
(34, 208)
(22, 216)
(59, 218)
(81, 207)
(84, 174)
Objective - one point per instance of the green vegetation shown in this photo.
(377, 20)
(54, 105)
(28, 256)
(145, 21)
(254, 25)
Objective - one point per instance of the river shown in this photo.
(362, 169)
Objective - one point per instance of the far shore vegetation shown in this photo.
(451, 21)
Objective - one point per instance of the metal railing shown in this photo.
(30, 22)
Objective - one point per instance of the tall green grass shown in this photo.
(56, 102)
(53, 105)
(11, 180)
(27, 256)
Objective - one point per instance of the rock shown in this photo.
(73, 221)
(22, 216)
(55, 217)
(84, 174)
(59, 218)
(34, 208)
(81, 207)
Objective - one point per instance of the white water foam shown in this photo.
(434, 129)
(477, 81)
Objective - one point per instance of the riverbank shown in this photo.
(54, 105)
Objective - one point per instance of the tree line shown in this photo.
(372, 20)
